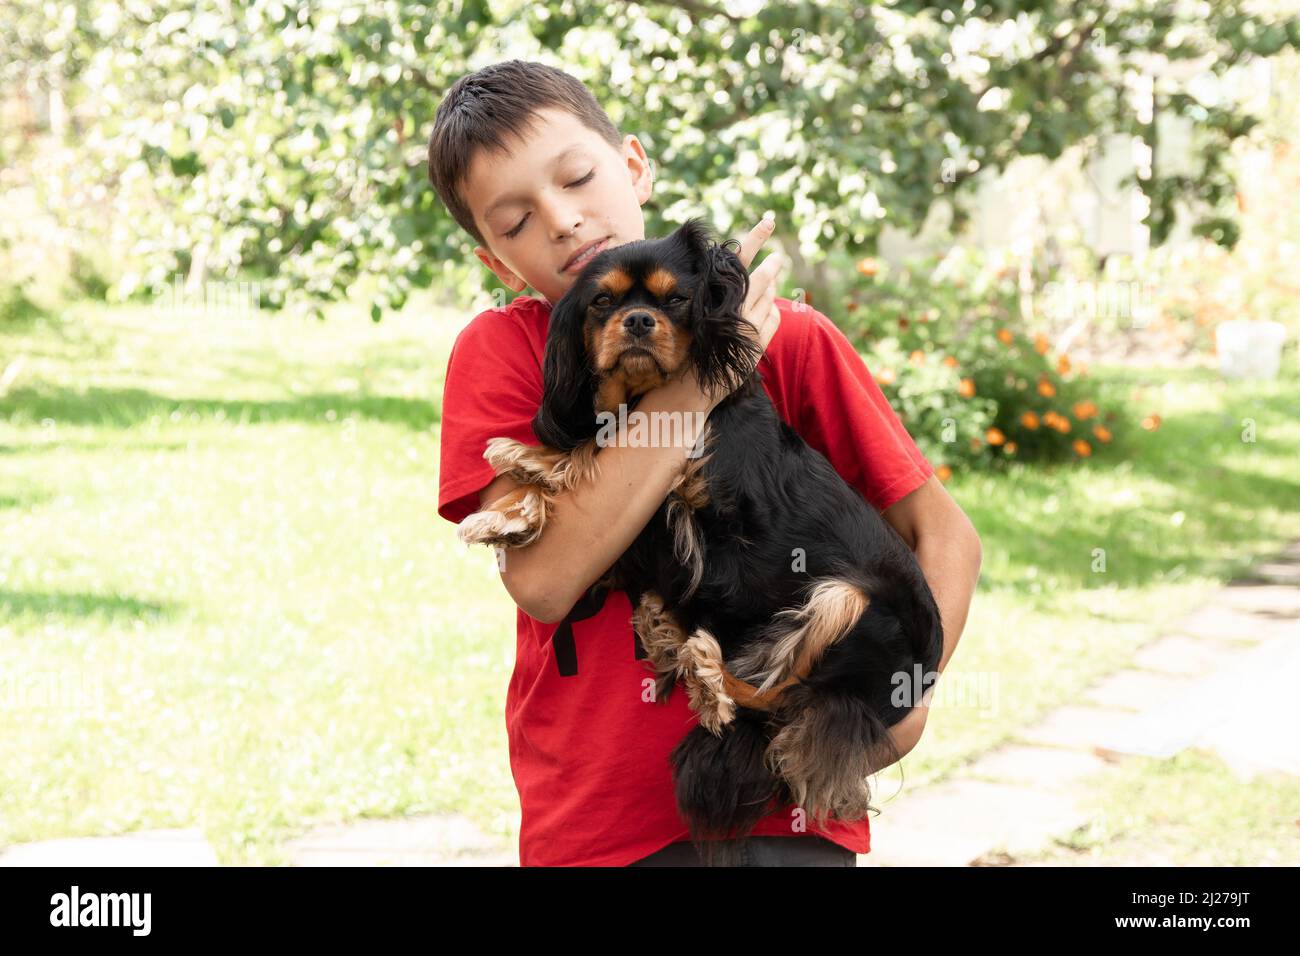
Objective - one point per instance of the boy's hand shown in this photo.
(760, 305)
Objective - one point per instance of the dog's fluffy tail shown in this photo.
(724, 786)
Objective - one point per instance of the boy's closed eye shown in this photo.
(581, 182)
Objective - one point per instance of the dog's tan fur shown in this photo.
(688, 494)
(516, 519)
(797, 637)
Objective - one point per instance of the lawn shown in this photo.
(227, 601)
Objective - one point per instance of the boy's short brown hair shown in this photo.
(484, 109)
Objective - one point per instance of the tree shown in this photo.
(287, 141)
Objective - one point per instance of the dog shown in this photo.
(786, 605)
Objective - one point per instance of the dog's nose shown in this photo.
(639, 324)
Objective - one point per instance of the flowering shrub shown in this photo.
(972, 387)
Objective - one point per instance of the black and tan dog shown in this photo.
(793, 613)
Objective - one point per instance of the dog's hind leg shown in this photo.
(797, 638)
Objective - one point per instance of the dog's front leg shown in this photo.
(516, 519)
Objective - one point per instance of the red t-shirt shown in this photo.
(589, 751)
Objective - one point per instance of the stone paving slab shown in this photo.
(1223, 622)
(1190, 656)
(432, 840)
(1276, 572)
(144, 848)
(1247, 714)
(954, 824)
(1135, 690)
(1078, 727)
(1039, 767)
(1270, 600)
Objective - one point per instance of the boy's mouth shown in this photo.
(575, 266)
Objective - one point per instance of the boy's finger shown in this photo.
(751, 243)
(762, 281)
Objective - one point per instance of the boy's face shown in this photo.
(536, 211)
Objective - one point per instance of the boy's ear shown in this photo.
(498, 268)
(567, 416)
(722, 346)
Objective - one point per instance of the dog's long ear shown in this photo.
(567, 416)
(721, 348)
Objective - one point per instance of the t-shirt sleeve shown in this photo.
(842, 413)
(493, 388)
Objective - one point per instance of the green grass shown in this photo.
(227, 601)
(1189, 810)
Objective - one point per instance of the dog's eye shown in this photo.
(602, 300)
(675, 300)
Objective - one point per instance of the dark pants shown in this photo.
(808, 850)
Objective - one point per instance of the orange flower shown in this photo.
(944, 472)
(1102, 432)
(1046, 388)
(903, 323)
(1151, 422)
(1084, 410)
(867, 266)
(886, 376)
(1010, 448)
(1005, 336)
(950, 361)
(1082, 448)
(1063, 364)
(1060, 423)
(917, 357)
(1029, 420)
(850, 307)
(1040, 343)
(994, 436)
(967, 388)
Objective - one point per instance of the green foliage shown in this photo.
(286, 141)
(16, 306)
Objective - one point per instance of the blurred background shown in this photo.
(1062, 236)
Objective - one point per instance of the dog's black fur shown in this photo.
(770, 499)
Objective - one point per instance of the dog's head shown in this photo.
(638, 316)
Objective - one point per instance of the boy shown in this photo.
(529, 164)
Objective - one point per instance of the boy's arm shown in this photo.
(948, 549)
(591, 526)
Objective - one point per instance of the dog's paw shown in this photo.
(662, 638)
(701, 659)
(513, 522)
(525, 464)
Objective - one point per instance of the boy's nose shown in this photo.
(638, 324)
